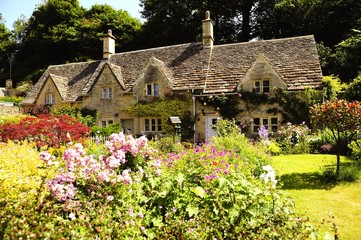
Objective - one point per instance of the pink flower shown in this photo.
(158, 172)
(110, 198)
(103, 176)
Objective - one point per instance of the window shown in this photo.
(107, 93)
(106, 123)
(262, 86)
(152, 90)
(152, 125)
(50, 99)
(271, 124)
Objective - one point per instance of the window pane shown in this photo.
(257, 86)
(266, 87)
(159, 125)
(274, 128)
(110, 93)
(156, 90)
(104, 123)
(274, 121)
(104, 93)
(146, 125)
(256, 121)
(265, 122)
(149, 89)
(110, 122)
(153, 125)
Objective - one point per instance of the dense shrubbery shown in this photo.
(44, 130)
(13, 99)
(128, 189)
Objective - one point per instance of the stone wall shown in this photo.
(9, 110)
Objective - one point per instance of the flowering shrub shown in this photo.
(22, 172)
(293, 139)
(132, 191)
(44, 130)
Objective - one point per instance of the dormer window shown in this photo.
(262, 86)
(152, 89)
(50, 99)
(107, 93)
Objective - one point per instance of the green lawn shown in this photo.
(301, 178)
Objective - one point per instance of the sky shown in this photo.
(12, 9)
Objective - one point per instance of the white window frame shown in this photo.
(50, 98)
(268, 122)
(106, 123)
(107, 93)
(152, 125)
(262, 88)
(152, 89)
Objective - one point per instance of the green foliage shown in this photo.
(11, 119)
(332, 87)
(342, 118)
(198, 193)
(293, 139)
(164, 109)
(227, 106)
(22, 172)
(168, 144)
(353, 91)
(13, 99)
(226, 127)
(63, 24)
(355, 147)
(105, 131)
(84, 115)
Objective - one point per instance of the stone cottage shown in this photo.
(200, 70)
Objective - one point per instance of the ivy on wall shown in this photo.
(227, 106)
(164, 109)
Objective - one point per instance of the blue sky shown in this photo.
(12, 9)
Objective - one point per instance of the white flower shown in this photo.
(72, 216)
(269, 175)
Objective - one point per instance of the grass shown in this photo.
(324, 203)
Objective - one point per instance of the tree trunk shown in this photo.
(338, 153)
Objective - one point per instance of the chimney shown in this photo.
(9, 84)
(207, 31)
(108, 44)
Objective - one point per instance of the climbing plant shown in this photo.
(227, 106)
(164, 109)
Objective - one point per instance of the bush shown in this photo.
(22, 172)
(44, 130)
(132, 191)
(293, 139)
(105, 131)
(355, 147)
(15, 100)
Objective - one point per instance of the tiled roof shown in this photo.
(191, 66)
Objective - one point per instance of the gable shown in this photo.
(49, 87)
(261, 70)
(154, 73)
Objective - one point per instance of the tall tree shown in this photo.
(61, 31)
(5, 44)
(328, 20)
(180, 21)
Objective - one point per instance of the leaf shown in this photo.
(180, 178)
(191, 210)
(199, 191)
(234, 213)
(157, 222)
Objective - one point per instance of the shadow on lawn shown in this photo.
(300, 181)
